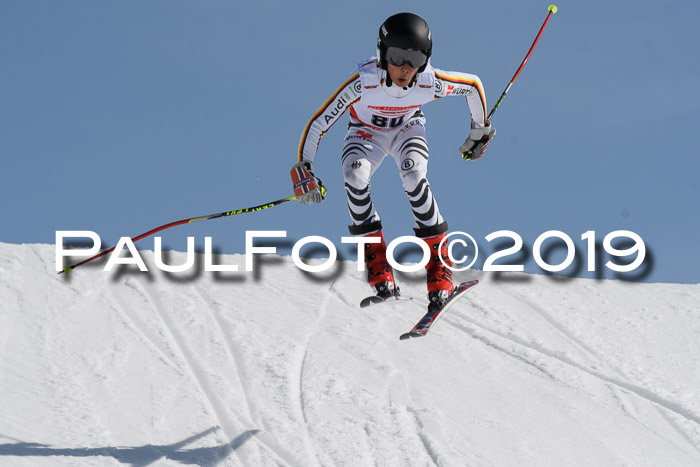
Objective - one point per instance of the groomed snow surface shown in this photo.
(280, 368)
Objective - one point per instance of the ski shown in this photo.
(427, 321)
(375, 300)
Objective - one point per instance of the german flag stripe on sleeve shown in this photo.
(470, 82)
(321, 111)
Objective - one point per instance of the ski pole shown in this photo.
(552, 10)
(260, 207)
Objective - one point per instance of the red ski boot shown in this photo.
(379, 272)
(439, 274)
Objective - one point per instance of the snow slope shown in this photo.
(279, 368)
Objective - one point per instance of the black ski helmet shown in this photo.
(405, 31)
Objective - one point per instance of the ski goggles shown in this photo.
(399, 57)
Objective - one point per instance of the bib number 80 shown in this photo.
(384, 122)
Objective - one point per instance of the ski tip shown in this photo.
(409, 335)
(374, 299)
(369, 301)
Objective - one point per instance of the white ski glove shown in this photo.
(308, 189)
(475, 145)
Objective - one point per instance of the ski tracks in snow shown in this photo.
(296, 376)
(232, 351)
(539, 357)
(406, 414)
(668, 409)
(172, 345)
(235, 357)
(182, 351)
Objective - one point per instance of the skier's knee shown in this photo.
(357, 173)
(412, 176)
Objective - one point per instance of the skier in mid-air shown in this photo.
(384, 96)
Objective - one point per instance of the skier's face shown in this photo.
(401, 75)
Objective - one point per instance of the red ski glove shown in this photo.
(308, 189)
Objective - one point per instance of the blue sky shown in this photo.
(118, 117)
